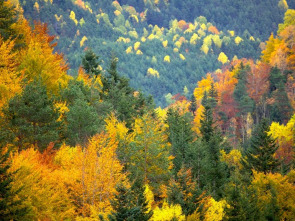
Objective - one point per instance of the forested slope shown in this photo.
(91, 147)
(162, 46)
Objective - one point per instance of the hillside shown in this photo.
(162, 46)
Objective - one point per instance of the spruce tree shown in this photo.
(260, 155)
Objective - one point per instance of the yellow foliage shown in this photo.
(133, 34)
(136, 45)
(238, 40)
(36, 6)
(282, 186)
(203, 85)
(62, 109)
(153, 72)
(167, 58)
(165, 43)
(168, 212)
(39, 61)
(181, 57)
(216, 210)
(143, 39)
(232, 33)
(178, 44)
(151, 36)
(161, 113)
(117, 12)
(73, 17)
(175, 50)
(135, 18)
(252, 38)
(139, 52)
(223, 58)
(203, 27)
(41, 188)
(175, 37)
(194, 39)
(10, 80)
(117, 5)
(232, 159)
(198, 118)
(84, 38)
(204, 48)
(129, 50)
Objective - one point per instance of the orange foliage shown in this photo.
(213, 30)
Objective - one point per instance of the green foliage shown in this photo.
(9, 206)
(180, 136)
(260, 155)
(30, 118)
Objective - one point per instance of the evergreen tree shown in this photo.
(122, 205)
(90, 63)
(9, 207)
(260, 155)
(245, 103)
(140, 201)
(180, 135)
(82, 122)
(30, 118)
(7, 19)
(193, 104)
(214, 172)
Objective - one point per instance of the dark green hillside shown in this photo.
(196, 32)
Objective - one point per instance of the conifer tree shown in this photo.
(30, 118)
(7, 18)
(90, 63)
(214, 172)
(180, 136)
(260, 155)
(9, 207)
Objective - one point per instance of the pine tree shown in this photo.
(30, 118)
(260, 155)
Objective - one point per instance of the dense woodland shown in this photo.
(89, 146)
(163, 46)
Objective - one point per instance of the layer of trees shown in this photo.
(91, 147)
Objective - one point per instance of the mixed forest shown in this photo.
(80, 141)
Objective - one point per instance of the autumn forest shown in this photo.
(160, 110)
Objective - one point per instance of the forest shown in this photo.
(80, 141)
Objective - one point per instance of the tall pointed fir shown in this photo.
(260, 155)
(90, 63)
(214, 172)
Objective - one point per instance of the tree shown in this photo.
(7, 18)
(260, 155)
(214, 171)
(30, 118)
(180, 136)
(9, 207)
(122, 205)
(90, 63)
